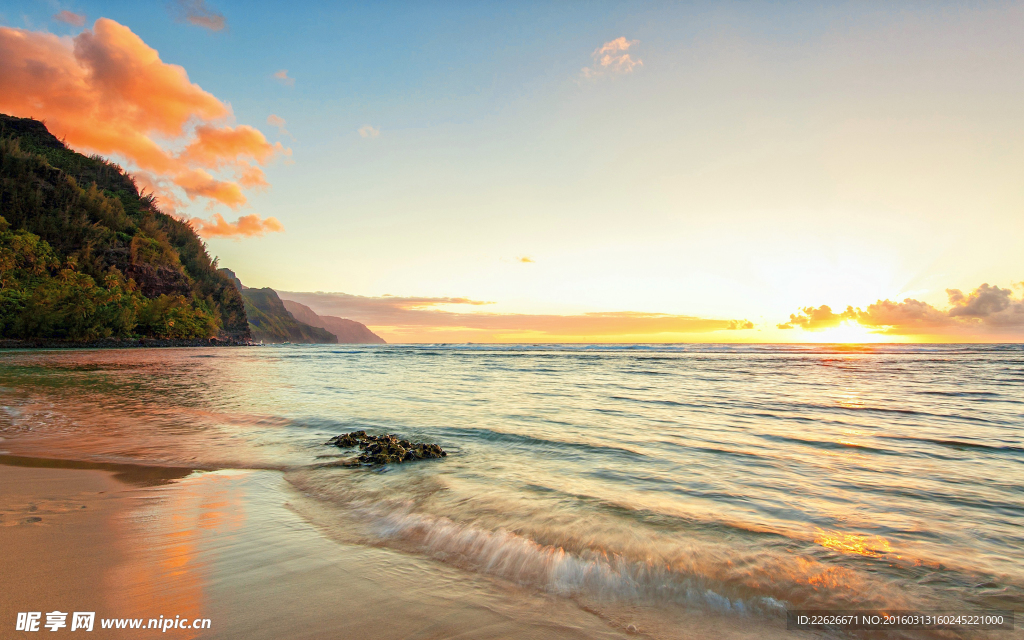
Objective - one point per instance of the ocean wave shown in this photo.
(556, 447)
(596, 575)
(622, 555)
(598, 469)
(959, 444)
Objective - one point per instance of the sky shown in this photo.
(588, 171)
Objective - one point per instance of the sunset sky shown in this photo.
(569, 171)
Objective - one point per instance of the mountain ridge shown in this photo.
(347, 331)
(85, 256)
(269, 320)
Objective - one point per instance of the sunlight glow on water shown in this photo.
(742, 478)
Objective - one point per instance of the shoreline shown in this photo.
(143, 542)
(113, 343)
(243, 548)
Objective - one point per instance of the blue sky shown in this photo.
(763, 157)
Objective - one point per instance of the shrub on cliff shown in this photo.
(104, 260)
(42, 296)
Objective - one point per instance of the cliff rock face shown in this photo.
(159, 280)
(347, 331)
(269, 321)
(85, 256)
(234, 279)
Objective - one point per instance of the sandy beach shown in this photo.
(57, 534)
(130, 546)
(79, 539)
(229, 546)
(62, 531)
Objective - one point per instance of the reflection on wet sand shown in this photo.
(163, 535)
(230, 546)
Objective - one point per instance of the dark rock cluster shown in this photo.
(155, 281)
(387, 448)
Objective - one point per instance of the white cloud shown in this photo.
(368, 131)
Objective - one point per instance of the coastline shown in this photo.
(113, 343)
(132, 543)
(232, 546)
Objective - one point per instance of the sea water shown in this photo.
(742, 480)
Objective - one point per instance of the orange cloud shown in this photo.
(197, 13)
(115, 64)
(611, 57)
(282, 75)
(248, 226)
(200, 184)
(70, 17)
(253, 178)
(279, 122)
(387, 304)
(368, 131)
(216, 146)
(410, 319)
(813, 319)
(107, 91)
(907, 317)
(986, 311)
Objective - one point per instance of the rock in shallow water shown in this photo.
(387, 448)
(346, 440)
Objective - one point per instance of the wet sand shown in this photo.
(55, 531)
(230, 546)
(210, 546)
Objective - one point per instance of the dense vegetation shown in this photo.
(84, 255)
(269, 321)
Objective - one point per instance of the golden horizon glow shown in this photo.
(849, 332)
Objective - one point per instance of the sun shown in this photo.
(849, 331)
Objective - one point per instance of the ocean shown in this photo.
(638, 481)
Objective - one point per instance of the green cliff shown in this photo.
(84, 255)
(270, 321)
(347, 331)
